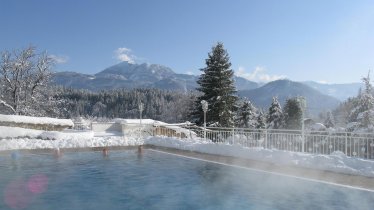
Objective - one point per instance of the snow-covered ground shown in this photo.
(12, 138)
(19, 138)
(35, 120)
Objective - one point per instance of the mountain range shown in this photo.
(285, 89)
(339, 91)
(126, 75)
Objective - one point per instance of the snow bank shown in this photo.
(15, 132)
(134, 121)
(35, 120)
(24, 143)
(336, 162)
(67, 139)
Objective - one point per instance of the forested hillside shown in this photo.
(168, 106)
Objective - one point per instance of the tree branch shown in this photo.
(7, 105)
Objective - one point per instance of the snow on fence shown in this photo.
(317, 142)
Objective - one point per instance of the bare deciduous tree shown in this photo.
(24, 76)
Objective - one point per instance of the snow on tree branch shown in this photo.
(24, 75)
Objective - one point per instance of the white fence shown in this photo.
(352, 144)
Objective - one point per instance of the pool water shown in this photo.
(154, 180)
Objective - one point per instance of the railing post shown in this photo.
(367, 148)
(302, 140)
(346, 144)
(266, 138)
(204, 126)
(233, 135)
(204, 134)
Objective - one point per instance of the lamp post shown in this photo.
(302, 102)
(204, 105)
(141, 108)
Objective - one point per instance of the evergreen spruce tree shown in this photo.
(362, 114)
(275, 119)
(261, 120)
(293, 114)
(329, 122)
(246, 117)
(218, 89)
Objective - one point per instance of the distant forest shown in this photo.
(164, 105)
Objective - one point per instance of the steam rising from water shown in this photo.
(153, 180)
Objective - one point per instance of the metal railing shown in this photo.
(317, 142)
(352, 144)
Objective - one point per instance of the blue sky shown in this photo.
(331, 41)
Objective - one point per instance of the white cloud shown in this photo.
(124, 54)
(59, 59)
(258, 74)
(323, 82)
(189, 73)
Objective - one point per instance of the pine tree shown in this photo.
(246, 117)
(217, 87)
(260, 120)
(362, 114)
(99, 109)
(329, 122)
(275, 119)
(293, 114)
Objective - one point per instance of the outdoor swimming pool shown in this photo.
(154, 180)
